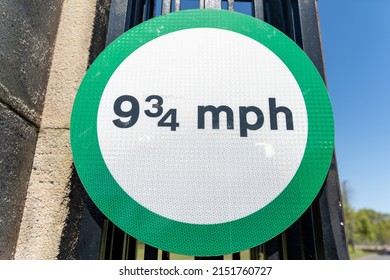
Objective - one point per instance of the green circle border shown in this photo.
(195, 239)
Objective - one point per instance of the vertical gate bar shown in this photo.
(275, 14)
(236, 256)
(177, 5)
(311, 40)
(317, 223)
(294, 242)
(125, 251)
(118, 238)
(92, 233)
(258, 7)
(124, 248)
(332, 220)
(293, 30)
(165, 255)
(117, 20)
(289, 20)
(309, 240)
(151, 253)
(255, 253)
(103, 240)
(135, 13)
(333, 231)
(149, 8)
(213, 4)
(273, 249)
(111, 241)
(201, 4)
(295, 22)
(231, 5)
(283, 240)
(166, 7)
(252, 253)
(131, 248)
(115, 242)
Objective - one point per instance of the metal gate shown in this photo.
(319, 233)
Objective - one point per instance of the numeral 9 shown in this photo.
(132, 114)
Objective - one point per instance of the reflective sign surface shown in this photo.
(202, 132)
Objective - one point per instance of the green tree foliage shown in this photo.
(367, 226)
(382, 230)
(364, 227)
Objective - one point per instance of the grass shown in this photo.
(357, 253)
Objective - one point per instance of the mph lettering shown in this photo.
(128, 118)
(243, 117)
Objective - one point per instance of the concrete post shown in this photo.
(27, 34)
(47, 203)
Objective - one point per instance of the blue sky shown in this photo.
(356, 45)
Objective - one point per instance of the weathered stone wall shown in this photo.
(44, 54)
(48, 195)
(27, 34)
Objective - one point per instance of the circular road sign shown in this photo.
(202, 132)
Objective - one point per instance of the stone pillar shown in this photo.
(47, 204)
(27, 36)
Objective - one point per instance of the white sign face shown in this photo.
(203, 175)
(202, 132)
